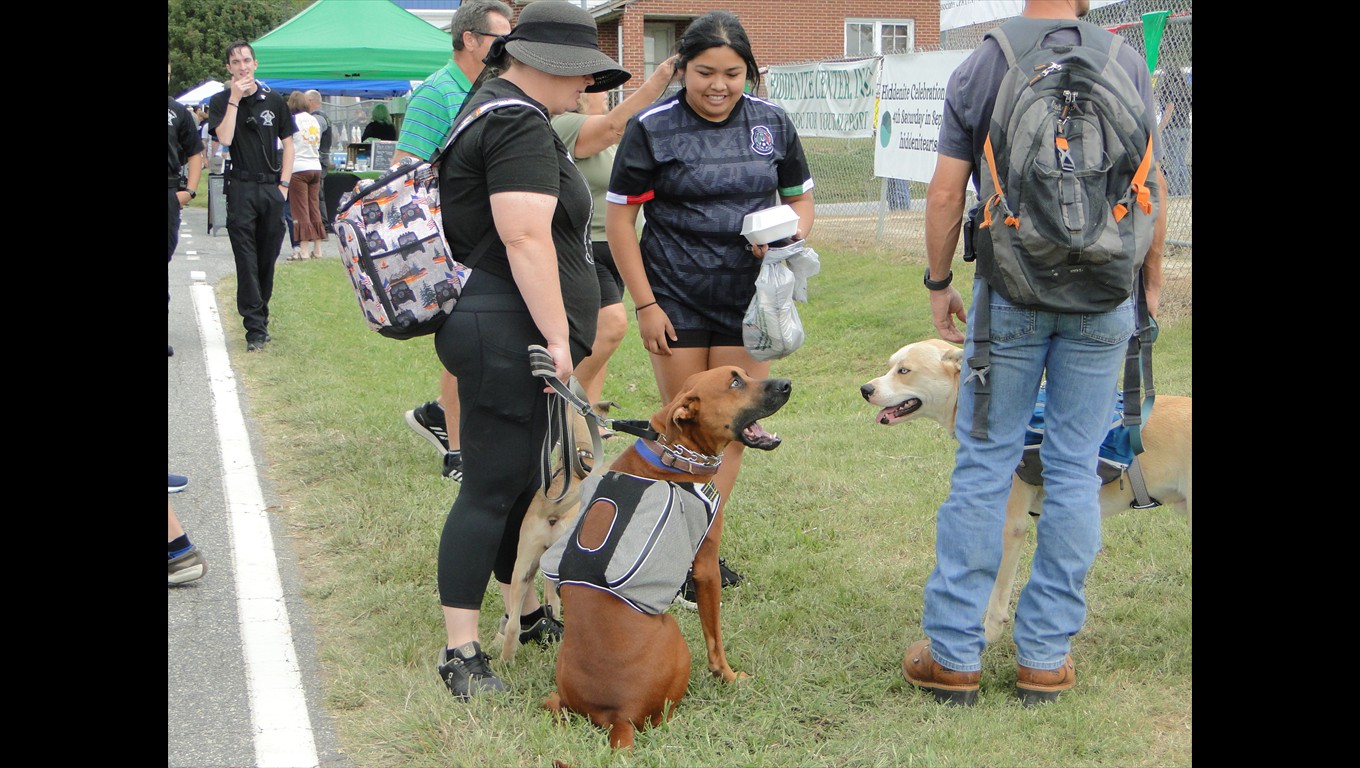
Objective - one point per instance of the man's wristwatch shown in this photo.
(192, 193)
(938, 285)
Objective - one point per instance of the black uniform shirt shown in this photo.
(184, 141)
(261, 118)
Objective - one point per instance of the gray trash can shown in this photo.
(217, 203)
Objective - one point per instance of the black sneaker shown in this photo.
(254, 345)
(545, 631)
(730, 578)
(453, 466)
(428, 421)
(467, 671)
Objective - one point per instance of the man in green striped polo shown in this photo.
(429, 118)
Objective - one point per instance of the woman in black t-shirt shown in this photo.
(536, 284)
(381, 127)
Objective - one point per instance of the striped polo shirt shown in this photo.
(431, 110)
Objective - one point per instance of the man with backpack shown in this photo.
(1044, 308)
(429, 118)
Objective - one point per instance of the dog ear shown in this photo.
(954, 359)
(687, 410)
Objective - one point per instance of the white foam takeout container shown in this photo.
(769, 225)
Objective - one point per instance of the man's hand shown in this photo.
(944, 307)
(183, 197)
(243, 86)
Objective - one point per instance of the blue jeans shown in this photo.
(1082, 357)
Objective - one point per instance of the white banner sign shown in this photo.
(909, 112)
(826, 99)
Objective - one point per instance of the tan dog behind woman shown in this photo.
(626, 667)
(922, 381)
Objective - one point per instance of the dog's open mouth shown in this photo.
(755, 436)
(896, 413)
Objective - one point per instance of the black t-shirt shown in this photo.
(697, 180)
(262, 119)
(379, 131)
(514, 149)
(184, 140)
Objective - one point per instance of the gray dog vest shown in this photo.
(656, 530)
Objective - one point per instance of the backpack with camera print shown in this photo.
(392, 237)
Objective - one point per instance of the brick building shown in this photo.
(640, 33)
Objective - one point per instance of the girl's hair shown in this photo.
(713, 29)
(297, 102)
(380, 114)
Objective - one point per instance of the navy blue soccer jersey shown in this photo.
(697, 180)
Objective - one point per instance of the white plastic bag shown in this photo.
(771, 328)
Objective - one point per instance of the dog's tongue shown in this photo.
(893, 413)
(756, 436)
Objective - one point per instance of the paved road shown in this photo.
(237, 697)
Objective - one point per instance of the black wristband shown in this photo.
(938, 285)
(644, 306)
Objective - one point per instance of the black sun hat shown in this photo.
(560, 38)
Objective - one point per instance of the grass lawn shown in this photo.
(834, 532)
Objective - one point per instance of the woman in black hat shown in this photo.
(536, 284)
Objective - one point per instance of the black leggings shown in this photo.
(503, 423)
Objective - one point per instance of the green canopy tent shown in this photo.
(352, 40)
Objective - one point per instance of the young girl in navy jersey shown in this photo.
(699, 162)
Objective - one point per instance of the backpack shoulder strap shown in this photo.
(476, 112)
(481, 109)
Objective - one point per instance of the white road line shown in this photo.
(282, 728)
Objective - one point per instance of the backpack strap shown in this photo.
(981, 360)
(489, 238)
(1138, 371)
(1138, 189)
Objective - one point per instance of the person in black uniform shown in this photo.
(252, 120)
(186, 149)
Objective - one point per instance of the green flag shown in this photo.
(1153, 24)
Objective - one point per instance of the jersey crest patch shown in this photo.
(762, 140)
(267, 117)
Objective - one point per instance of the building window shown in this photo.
(875, 37)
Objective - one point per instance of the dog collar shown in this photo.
(670, 457)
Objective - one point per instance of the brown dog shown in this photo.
(619, 666)
(923, 382)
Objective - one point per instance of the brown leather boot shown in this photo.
(959, 689)
(1035, 686)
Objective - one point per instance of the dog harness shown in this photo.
(655, 532)
(1116, 452)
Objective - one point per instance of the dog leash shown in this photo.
(561, 431)
(541, 365)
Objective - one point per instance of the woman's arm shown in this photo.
(654, 326)
(524, 222)
(600, 132)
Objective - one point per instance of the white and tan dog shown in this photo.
(923, 382)
(544, 523)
